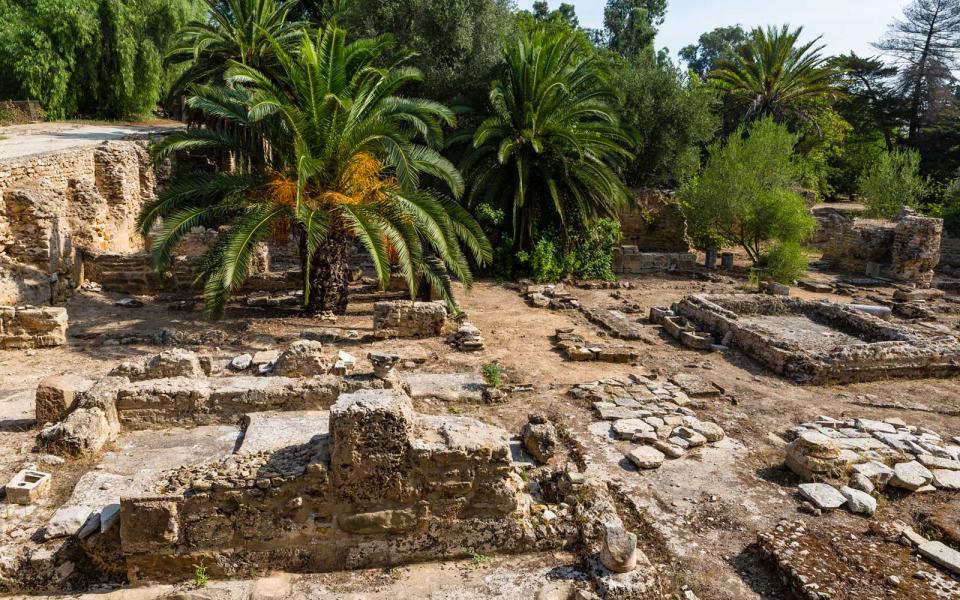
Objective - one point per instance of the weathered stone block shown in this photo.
(32, 327)
(149, 524)
(304, 358)
(27, 487)
(406, 318)
(56, 394)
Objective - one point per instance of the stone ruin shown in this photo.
(654, 236)
(406, 318)
(32, 327)
(906, 248)
(816, 342)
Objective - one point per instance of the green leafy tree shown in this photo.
(550, 151)
(458, 42)
(672, 115)
(893, 182)
(702, 57)
(631, 25)
(341, 163)
(99, 58)
(746, 196)
(773, 74)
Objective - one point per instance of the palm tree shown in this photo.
(771, 75)
(338, 162)
(549, 151)
(240, 31)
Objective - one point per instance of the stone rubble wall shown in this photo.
(655, 224)
(53, 204)
(629, 260)
(32, 327)
(386, 487)
(908, 247)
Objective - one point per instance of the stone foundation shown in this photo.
(385, 487)
(32, 327)
(819, 342)
(629, 260)
(405, 318)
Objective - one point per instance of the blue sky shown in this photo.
(845, 24)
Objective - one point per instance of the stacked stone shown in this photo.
(32, 327)
(681, 329)
(554, 297)
(877, 453)
(574, 347)
(405, 318)
(650, 413)
(467, 338)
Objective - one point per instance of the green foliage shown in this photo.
(784, 261)
(549, 150)
(345, 161)
(951, 208)
(99, 58)
(200, 576)
(631, 25)
(702, 57)
(893, 182)
(458, 42)
(476, 557)
(673, 117)
(773, 75)
(493, 374)
(746, 192)
(585, 255)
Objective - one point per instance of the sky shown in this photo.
(845, 24)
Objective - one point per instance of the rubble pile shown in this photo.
(467, 338)
(554, 297)
(869, 456)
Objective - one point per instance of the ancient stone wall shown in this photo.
(655, 224)
(53, 204)
(386, 486)
(851, 244)
(629, 260)
(31, 327)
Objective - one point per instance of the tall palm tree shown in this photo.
(771, 74)
(338, 162)
(550, 149)
(240, 31)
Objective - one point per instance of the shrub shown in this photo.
(950, 211)
(586, 255)
(893, 182)
(784, 262)
(746, 195)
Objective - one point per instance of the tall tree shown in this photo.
(631, 25)
(550, 150)
(458, 42)
(926, 42)
(869, 103)
(702, 57)
(344, 160)
(773, 74)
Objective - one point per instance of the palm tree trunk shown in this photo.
(328, 278)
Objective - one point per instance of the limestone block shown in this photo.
(149, 524)
(370, 431)
(619, 552)
(304, 358)
(383, 521)
(56, 394)
(405, 318)
(32, 327)
(27, 487)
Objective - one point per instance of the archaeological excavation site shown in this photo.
(676, 433)
(479, 300)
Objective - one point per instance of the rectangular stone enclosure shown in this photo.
(819, 342)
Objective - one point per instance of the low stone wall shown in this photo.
(32, 327)
(405, 318)
(629, 260)
(385, 487)
(655, 224)
(916, 248)
(881, 350)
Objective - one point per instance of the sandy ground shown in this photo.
(17, 141)
(704, 510)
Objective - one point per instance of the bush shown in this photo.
(893, 182)
(493, 374)
(588, 255)
(951, 208)
(784, 262)
(746, 194)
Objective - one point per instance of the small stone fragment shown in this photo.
(910, 476)
(646, 457)
(859, 502)
(822, 495)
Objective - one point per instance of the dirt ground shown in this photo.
(704, 511)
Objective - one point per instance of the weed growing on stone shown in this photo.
(200, 577)
(493, 374)
(476, 557)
